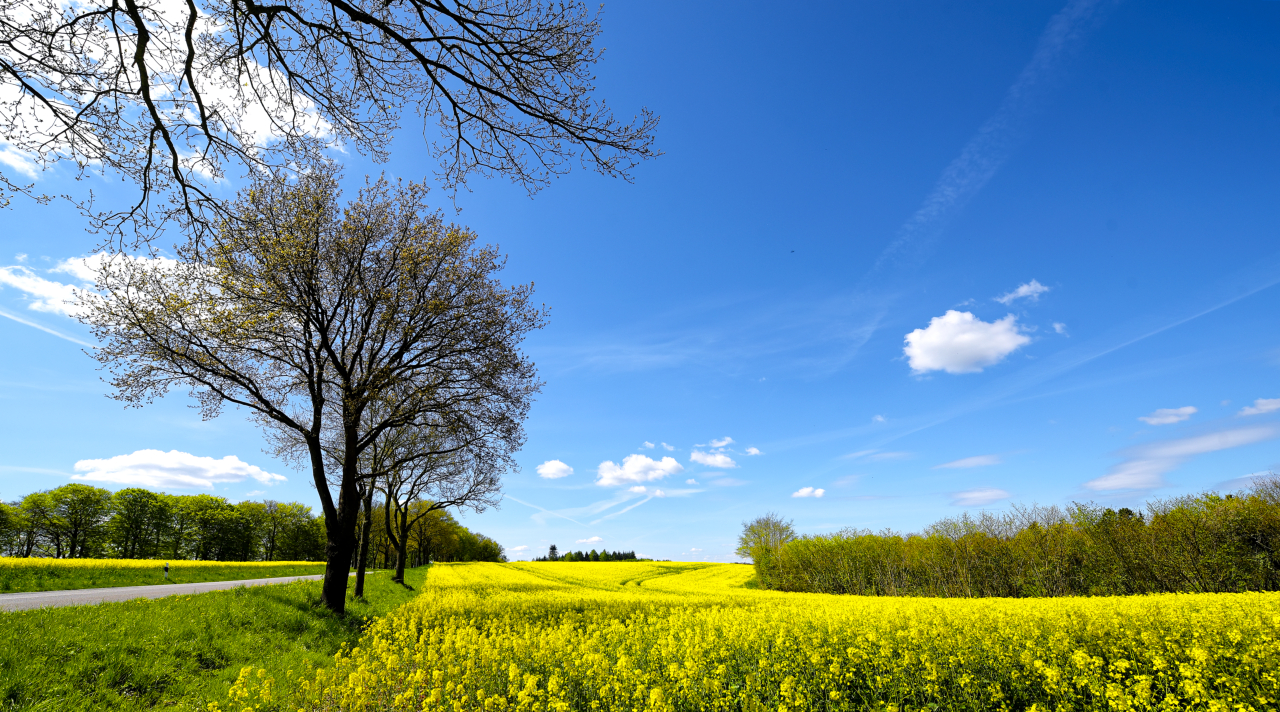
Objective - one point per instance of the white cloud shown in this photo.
(877, 418)
(153, 468)
(959, 342)
(255, 493)
(636, 468)
(638, 489)
(753, 451)
(978, 497)
(965, 463)
(518, 549)
(721, 442)
(694, 549)
(648, 445)
(553, 469)
(592, 540)
(659, 493)
(18, 160)
(21, 257)
(691, 481)
(1145, 466)
(712, 459)
(54, 297)
(1166, 416)
(44, 295)
(1031, 290)
(1060, 328)
(1260, 406)
(667, 447)
(808, 492)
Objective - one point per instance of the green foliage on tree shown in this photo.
(1208, 543)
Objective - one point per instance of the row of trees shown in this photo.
(371, 341)
(553, 554)
(1205, 543)
(434, 536)
(81, 521)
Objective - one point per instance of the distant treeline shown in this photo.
(554, 554)
(1205, 543)
(81, 521)
(437, 536)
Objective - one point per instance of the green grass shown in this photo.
(57, 575)
(180, 652)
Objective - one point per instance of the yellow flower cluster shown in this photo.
(649, 636)
(28, 563)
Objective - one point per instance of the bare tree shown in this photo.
(309, 317)
(172, 95)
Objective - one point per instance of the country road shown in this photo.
(90, 596)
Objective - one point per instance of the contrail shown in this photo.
(541, 509)
(45, 329)
(991, 146)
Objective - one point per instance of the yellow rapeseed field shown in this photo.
(653, 636)
(38, 563)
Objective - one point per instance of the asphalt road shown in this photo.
(90, 596)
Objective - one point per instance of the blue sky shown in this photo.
(916, 257)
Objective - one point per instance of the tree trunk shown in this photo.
(401, 552)
(363, 558)
(340, 547)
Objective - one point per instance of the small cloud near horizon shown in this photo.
(978, 497)
(967, 462)
(1168, 416)
(1144, 466)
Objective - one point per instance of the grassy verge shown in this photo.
(23, 575)
(179, 652)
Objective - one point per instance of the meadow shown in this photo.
(660, 636)
(19, 575)
(180, 652)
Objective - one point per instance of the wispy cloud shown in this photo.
(1260, 406)
(1031, 290)
(968, 462)
(1144, 466)
(978, 497)
(982, 157)
(54, 332)
(1168, 416)
(589, 540)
